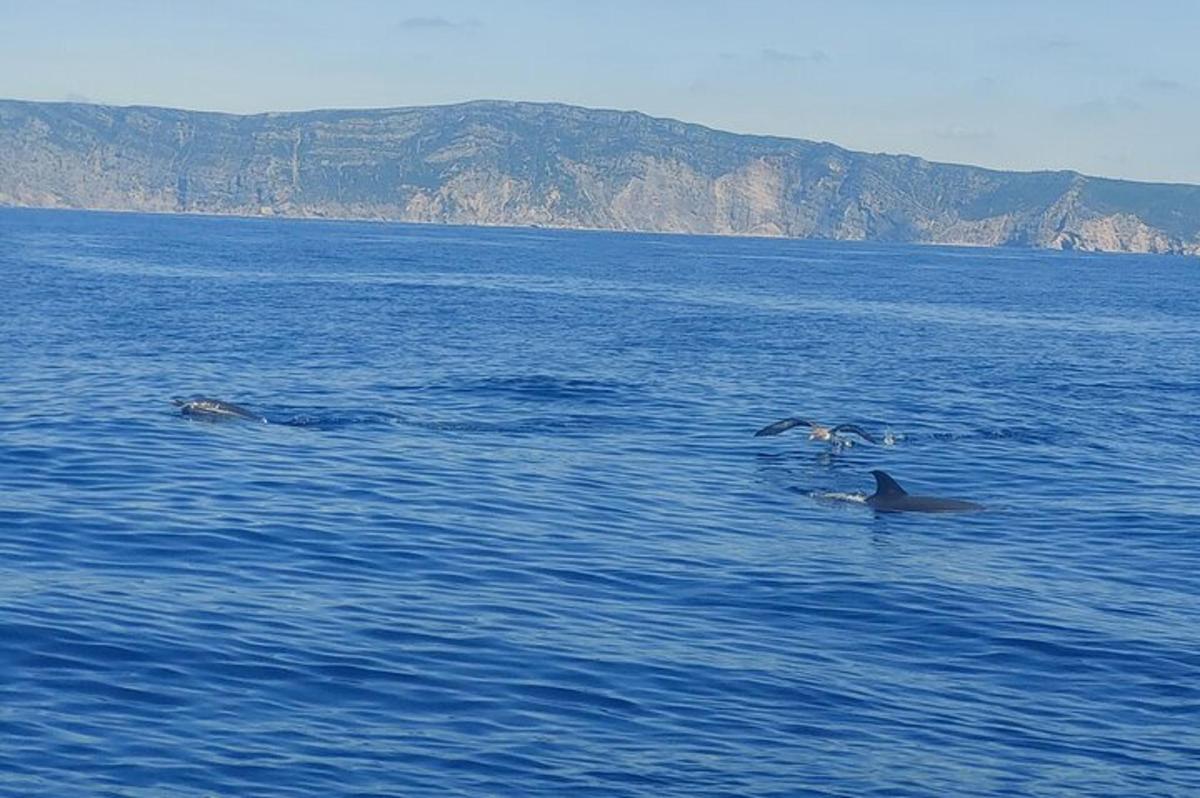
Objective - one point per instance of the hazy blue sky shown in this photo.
(1109, 88)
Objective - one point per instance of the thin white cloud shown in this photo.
(961, 134)
(986, 86)
(436, 23)
(1165, 85)
(1102, 109)
(773, 56)
(1056, 45)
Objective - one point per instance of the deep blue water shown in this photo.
(510, 533)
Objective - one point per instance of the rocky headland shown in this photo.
(513, 163)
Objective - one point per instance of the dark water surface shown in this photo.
(510, 533)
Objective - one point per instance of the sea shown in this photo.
(504, 528)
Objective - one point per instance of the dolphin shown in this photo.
(215, 410)
(889, 497)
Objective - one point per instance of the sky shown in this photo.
(1102, 87)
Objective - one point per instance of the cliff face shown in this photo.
(556, 165)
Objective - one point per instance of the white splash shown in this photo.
(835, 496)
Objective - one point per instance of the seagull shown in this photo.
(818, 432)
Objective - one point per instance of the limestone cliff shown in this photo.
(556, 165)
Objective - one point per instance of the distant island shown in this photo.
(552, 165)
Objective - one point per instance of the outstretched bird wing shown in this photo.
(782, 426)
(855, 430)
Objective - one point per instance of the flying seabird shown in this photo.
(817, 432)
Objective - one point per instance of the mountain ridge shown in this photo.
(558, 165)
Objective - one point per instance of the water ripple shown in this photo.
(509, 531)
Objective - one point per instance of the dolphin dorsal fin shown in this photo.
(886, 486)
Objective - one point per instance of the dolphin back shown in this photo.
(886, 487)
(889, 497)
(214, 409)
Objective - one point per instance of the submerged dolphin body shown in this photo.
(215, 410)
(889, 497)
